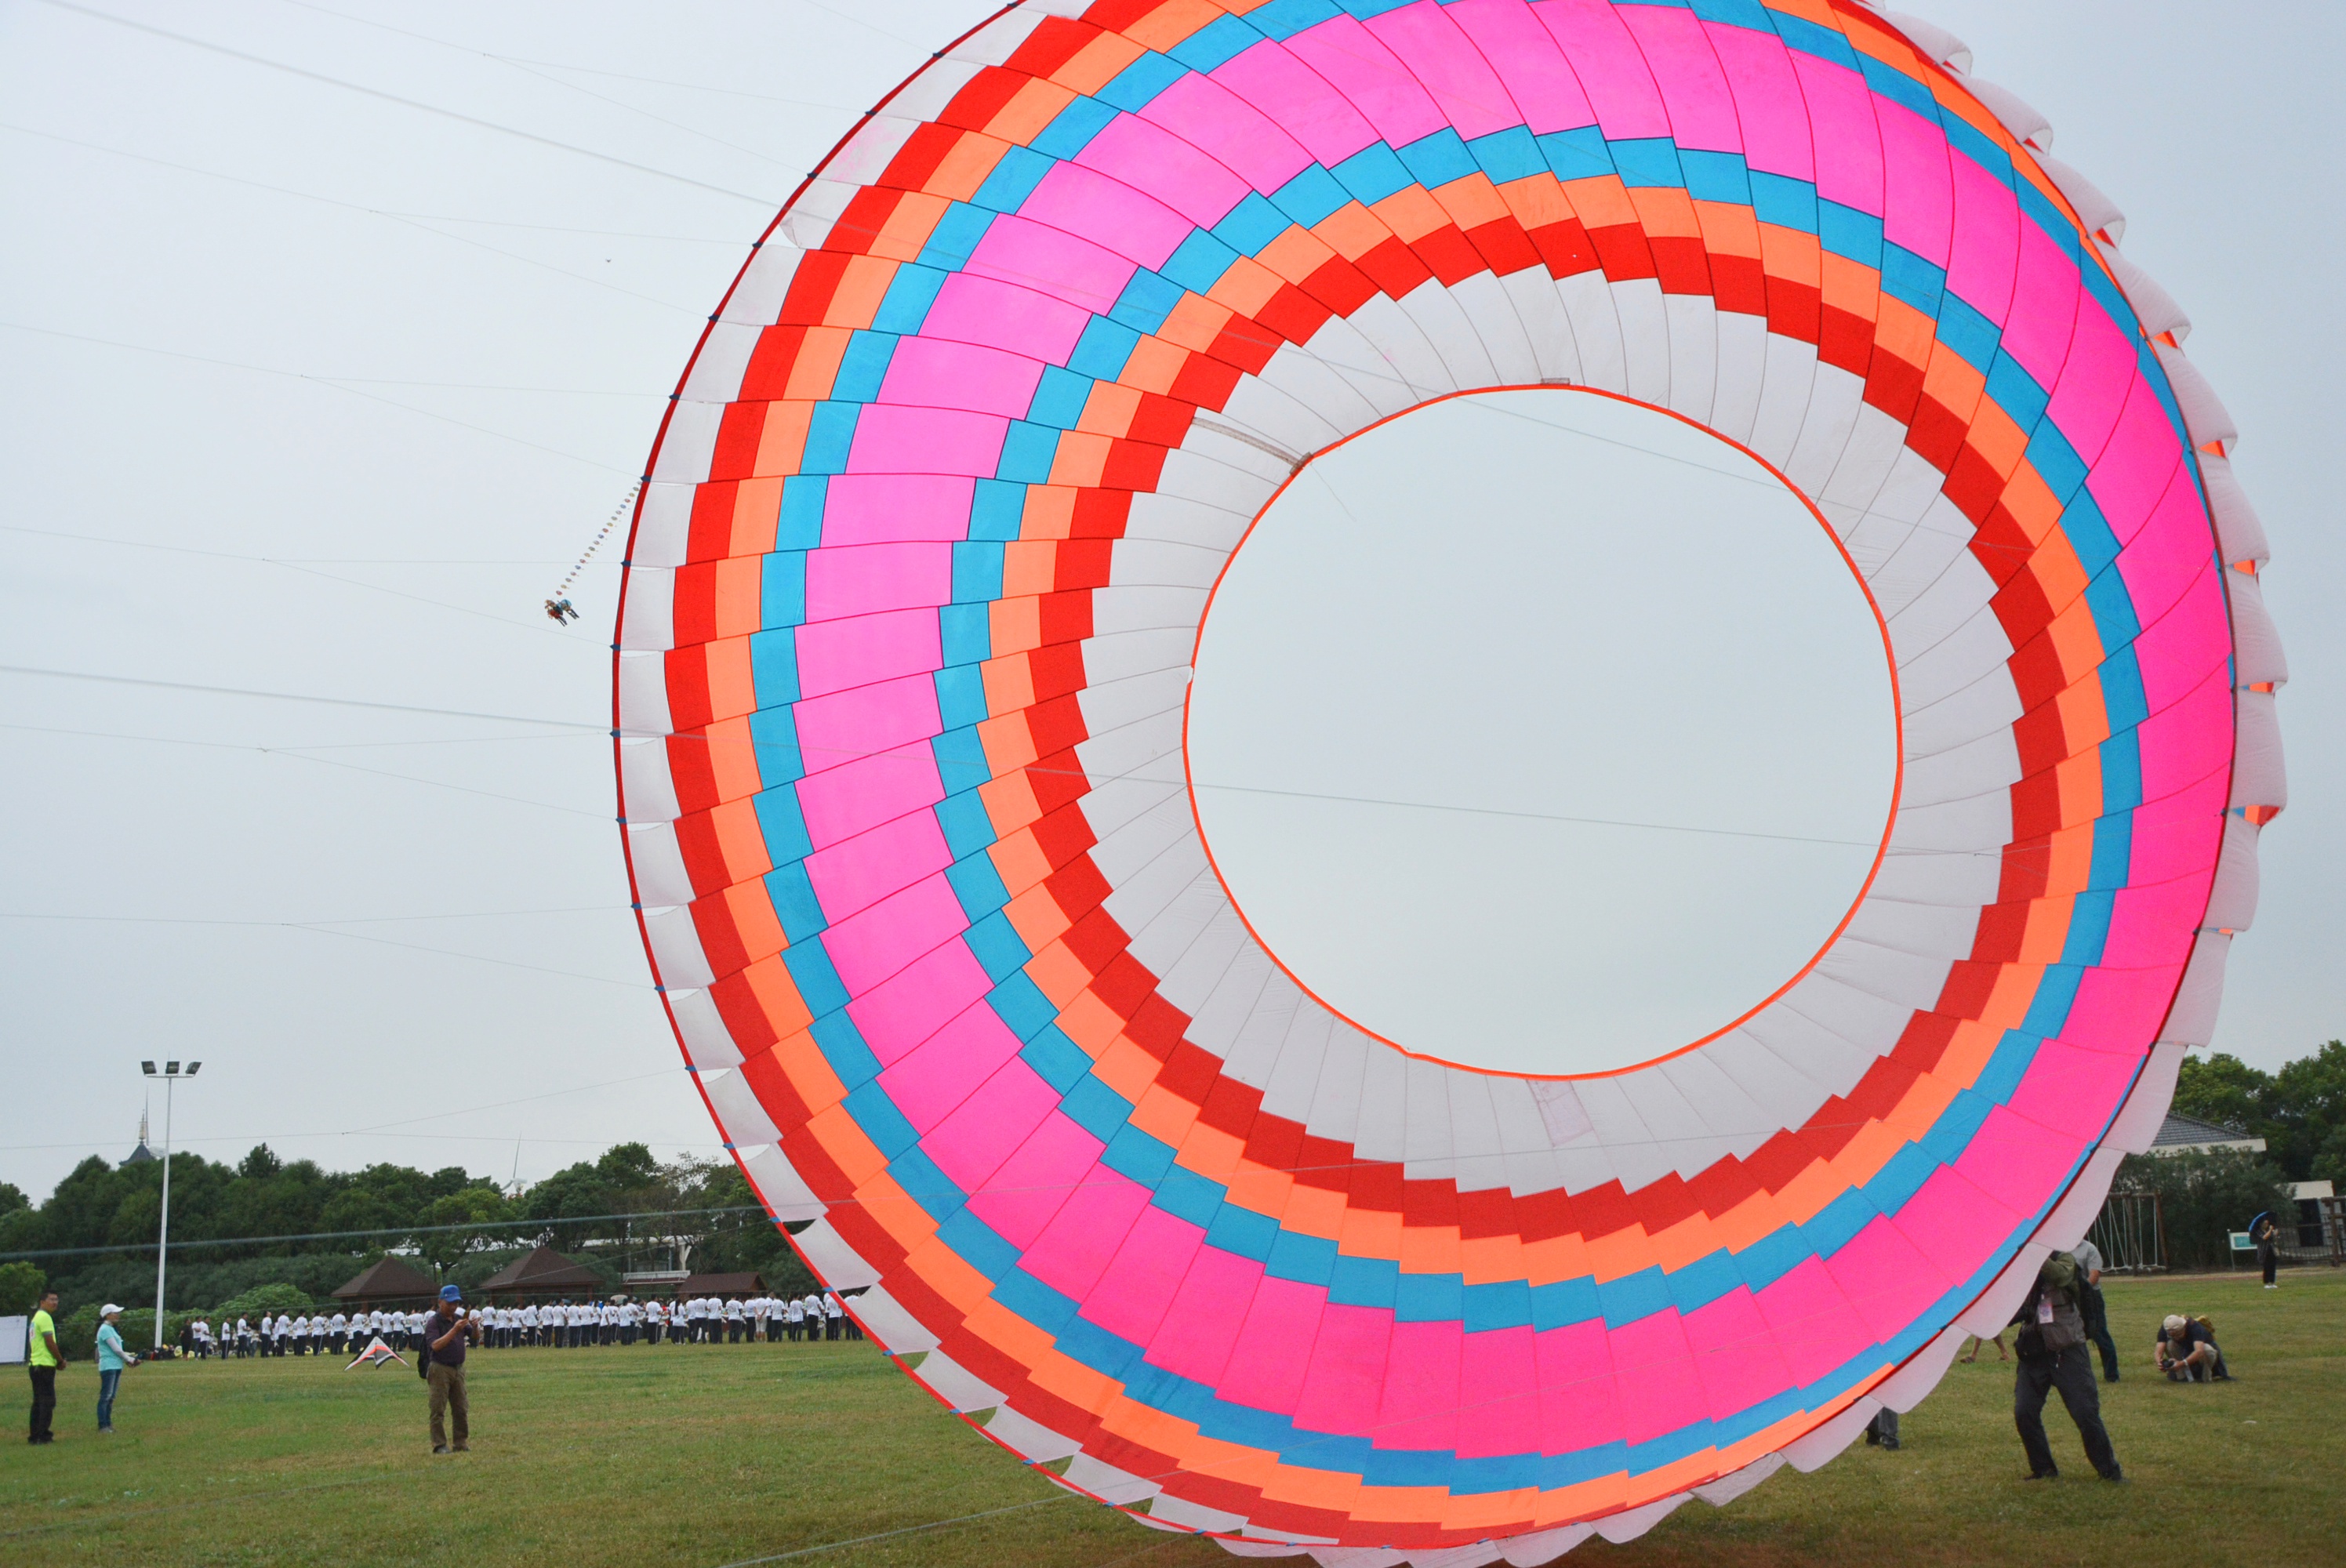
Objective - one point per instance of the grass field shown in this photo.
(689, 1458)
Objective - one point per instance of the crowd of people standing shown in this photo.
(570, 1325)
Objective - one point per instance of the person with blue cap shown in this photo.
(446, 1332)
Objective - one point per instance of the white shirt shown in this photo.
(831, 1307)
(733, 1310)
(797, 1310)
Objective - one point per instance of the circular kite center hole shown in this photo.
(1542, 732)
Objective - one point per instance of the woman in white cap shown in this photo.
(112, 1361)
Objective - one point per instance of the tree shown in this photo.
(2330, 1160)
(2307, 1106)
(2295, 1110)
(260, 1164)
(2223, 1089)
(20, 1287)
(473, 1206)
(2205, 1195)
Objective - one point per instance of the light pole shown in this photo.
(170, 1075)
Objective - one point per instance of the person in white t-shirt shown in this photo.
(833, 1315)
(735, 1316)
(794, 1313)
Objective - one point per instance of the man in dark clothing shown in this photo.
(44, 1358)
(446, 1331)
(2052, 1354)
(2187, 1351)
(2094, 1308)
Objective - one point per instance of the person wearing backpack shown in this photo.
(2185, 1350)
(2053, 1355)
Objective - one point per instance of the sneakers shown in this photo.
(439, 1447)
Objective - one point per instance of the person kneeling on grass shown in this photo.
(2186, 1351)
(446, 1331)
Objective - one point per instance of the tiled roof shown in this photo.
(2182, 1132)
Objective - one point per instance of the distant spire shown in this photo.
(142, 1154)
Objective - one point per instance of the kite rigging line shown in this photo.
(557, 608)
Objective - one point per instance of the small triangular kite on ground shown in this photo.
(377, 1352)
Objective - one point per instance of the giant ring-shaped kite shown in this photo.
(912, 600)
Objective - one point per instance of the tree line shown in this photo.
(450, 1222)
(2298, 1110)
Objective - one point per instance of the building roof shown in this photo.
(141, 1155)
(542, 1268)
(721, 1284)
(2179, 1133)
(389, 1279)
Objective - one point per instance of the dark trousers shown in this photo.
(107, 1382)
(2097, 1313)
(2270, 1258)
(2072, 1372)
(45, 1402)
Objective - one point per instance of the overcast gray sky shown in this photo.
(310, 391)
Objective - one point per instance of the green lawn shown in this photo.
(689, 1457)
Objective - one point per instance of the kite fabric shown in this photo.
(914, 588)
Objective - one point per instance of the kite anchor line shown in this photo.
(559, 608)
